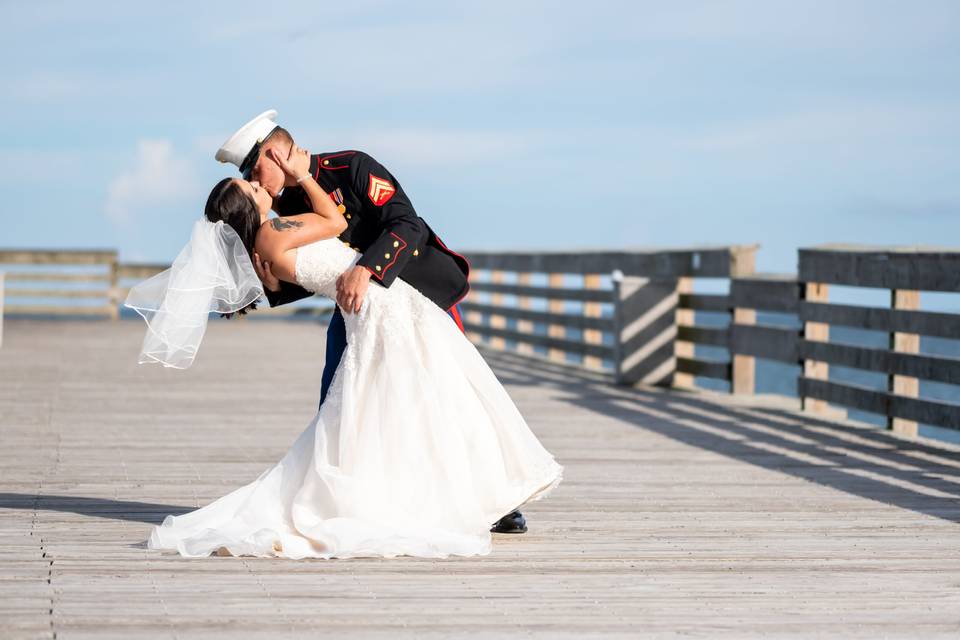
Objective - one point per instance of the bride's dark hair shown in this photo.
(229, 203)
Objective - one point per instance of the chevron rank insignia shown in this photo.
(380, 190)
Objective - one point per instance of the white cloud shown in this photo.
(157, 177)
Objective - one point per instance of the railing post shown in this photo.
(592, 310)
(816, 332)
(743, 262)
(645, 331)
(497, 321)
(114, 299)
(904, 343)
(524, 326)
(684, 349)
(616, 294)
(555, 281)
(744, 367)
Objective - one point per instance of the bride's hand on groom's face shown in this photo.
(296, 164)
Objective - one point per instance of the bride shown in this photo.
(417, 448)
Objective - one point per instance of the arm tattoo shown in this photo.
(279, 224)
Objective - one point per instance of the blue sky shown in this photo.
(511, 125)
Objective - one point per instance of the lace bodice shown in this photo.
(320, 263)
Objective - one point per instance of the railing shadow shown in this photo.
(130, 511)
(869, 463)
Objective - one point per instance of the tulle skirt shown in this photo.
(417, 450)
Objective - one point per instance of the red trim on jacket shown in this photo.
(452, 252)
(455, 314)
(335, 155)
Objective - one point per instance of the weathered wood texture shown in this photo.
(98, 275)
(923, 268)
(681, 514)
(694, 262)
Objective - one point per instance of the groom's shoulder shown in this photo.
(353, 160)
(342, 160)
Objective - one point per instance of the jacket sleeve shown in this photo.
(289, 292)
(402, 231)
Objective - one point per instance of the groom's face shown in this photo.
(267, 172)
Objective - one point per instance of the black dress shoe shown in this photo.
(513, 522)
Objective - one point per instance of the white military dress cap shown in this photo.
(243, 147)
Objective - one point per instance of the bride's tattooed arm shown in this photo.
(281, 224)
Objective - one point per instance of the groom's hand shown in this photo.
(351, 287)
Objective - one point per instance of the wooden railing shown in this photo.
(82, 283)
(904, 273)
(634, 315)
(653, 332)
(636, 326)
(61, 279)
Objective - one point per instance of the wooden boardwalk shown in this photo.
(680, 514)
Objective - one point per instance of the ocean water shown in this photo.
(781, 378)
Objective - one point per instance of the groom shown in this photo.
(382, 225)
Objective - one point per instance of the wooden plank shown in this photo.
(937, 368)
(57, 293)
(912, 268)
(29, 276)
(558, 292)
(766, 292)
(690, 514)
(59, 310)
(57, 256)
(542, 317)
(906, 385)
(702, 262)
(765, 341)
(705, 302)
(140, 270)
(928, 323)
(819, 332)
(554, 343)
(705, 368)
(714, 336)
(941, 414)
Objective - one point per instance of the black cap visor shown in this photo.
(246, 167)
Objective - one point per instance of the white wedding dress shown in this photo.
(417, 449)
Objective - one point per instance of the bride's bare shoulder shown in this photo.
(277, 235)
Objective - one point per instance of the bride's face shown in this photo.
(259, 195)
